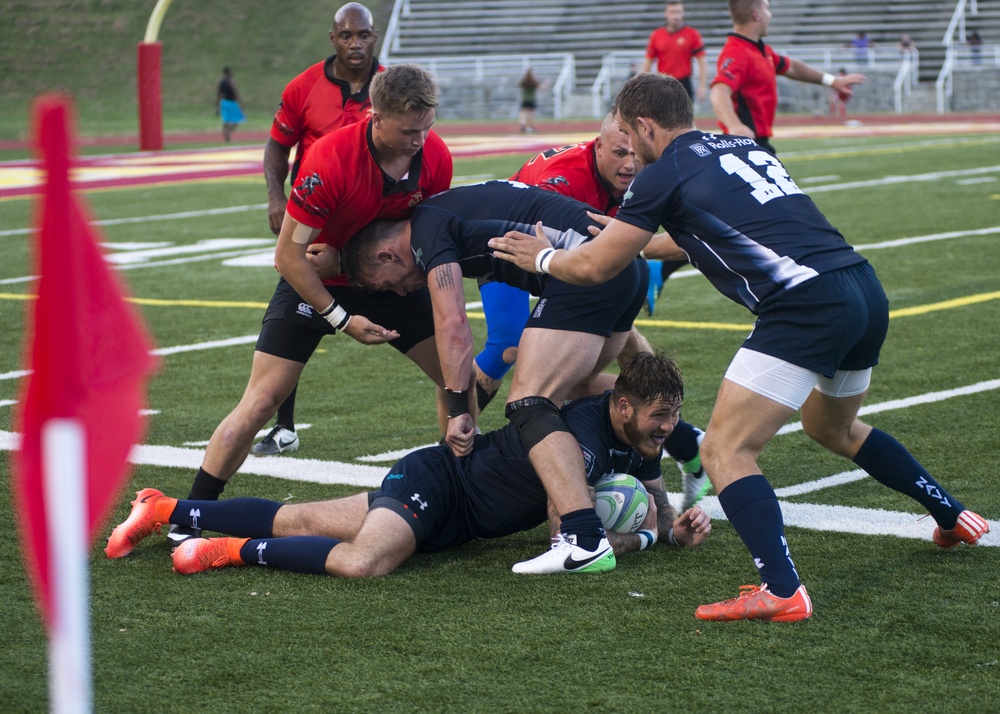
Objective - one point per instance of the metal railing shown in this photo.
(616, 67)
(555, 69)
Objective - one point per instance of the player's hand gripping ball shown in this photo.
(622, 502)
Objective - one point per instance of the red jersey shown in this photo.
(673, 51)
(341, 188)
(313, 105)
(750, 69)
(571, 171)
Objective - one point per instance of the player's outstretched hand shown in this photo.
(324, 258)
(844, 84)
(461, 432)
(692, 527)
(367, 332)
(521, 248)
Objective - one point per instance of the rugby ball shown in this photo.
(622, 502)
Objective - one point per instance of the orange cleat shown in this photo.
(196, 555)
(150, 510)
(969, 529)
(756, 602)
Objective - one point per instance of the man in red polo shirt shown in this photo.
(745, 91)
(673, 46)
(330, 94)
(377, 168)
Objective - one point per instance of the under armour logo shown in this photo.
(423, 504)
(261, 547)
(195, 515)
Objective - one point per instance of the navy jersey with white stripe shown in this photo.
(456, 225)
(502, 492)
(742, 221)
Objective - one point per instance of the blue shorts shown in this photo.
(230, 112)
(424, 490)
(594, 309)
(835, 321)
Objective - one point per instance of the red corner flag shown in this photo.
(89, 356)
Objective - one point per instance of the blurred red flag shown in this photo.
(88, 352)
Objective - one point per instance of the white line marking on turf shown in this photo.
(928, 398)
(263, 432)
(391, 455)
(7, 402)
(160, 217)
(860, 521)
(246, 339)
(893, 180)
(15, 375)
(838, 519)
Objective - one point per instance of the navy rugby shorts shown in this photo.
(423, 489)
(594, 309)
(292, 329)
(835, 321)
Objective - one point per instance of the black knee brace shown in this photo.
(534, 418)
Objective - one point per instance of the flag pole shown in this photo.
(64, 467)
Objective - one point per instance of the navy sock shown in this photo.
(206, 487)
(286, 412)
(297, 554)
(241, 517)
(682, 444)
(586, 525)
(889, 463)
(752, 508)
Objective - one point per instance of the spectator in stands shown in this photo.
(227, 104)
(744, 93)
(861, 45)
(906, 45)
(975, 41)
(529, 101)
(673, 46)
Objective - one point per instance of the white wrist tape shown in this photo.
(646, 539)
(543, 259)
(336, 316)
(828, 79)
(670, 537)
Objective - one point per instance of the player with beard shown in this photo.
(431, 501)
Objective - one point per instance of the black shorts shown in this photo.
(594, 309)
(292, 330)
(424, 490)
(835, 321)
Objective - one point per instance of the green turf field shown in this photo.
(900, 625)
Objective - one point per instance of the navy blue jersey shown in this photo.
(742, 221)
(503, 494)
(455, 227)
(494, 491)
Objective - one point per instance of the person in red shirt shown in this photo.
(673, 46)
(378, 168)
(327, 96)
(744, 93)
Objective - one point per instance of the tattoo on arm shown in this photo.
(665, 513)
(444, 278)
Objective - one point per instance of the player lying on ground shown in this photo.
(431, 501)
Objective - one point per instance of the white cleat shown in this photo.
(565, 556)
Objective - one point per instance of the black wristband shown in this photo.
(458, 403)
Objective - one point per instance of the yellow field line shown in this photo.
(678, 324)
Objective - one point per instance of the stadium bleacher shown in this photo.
(589, 30)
